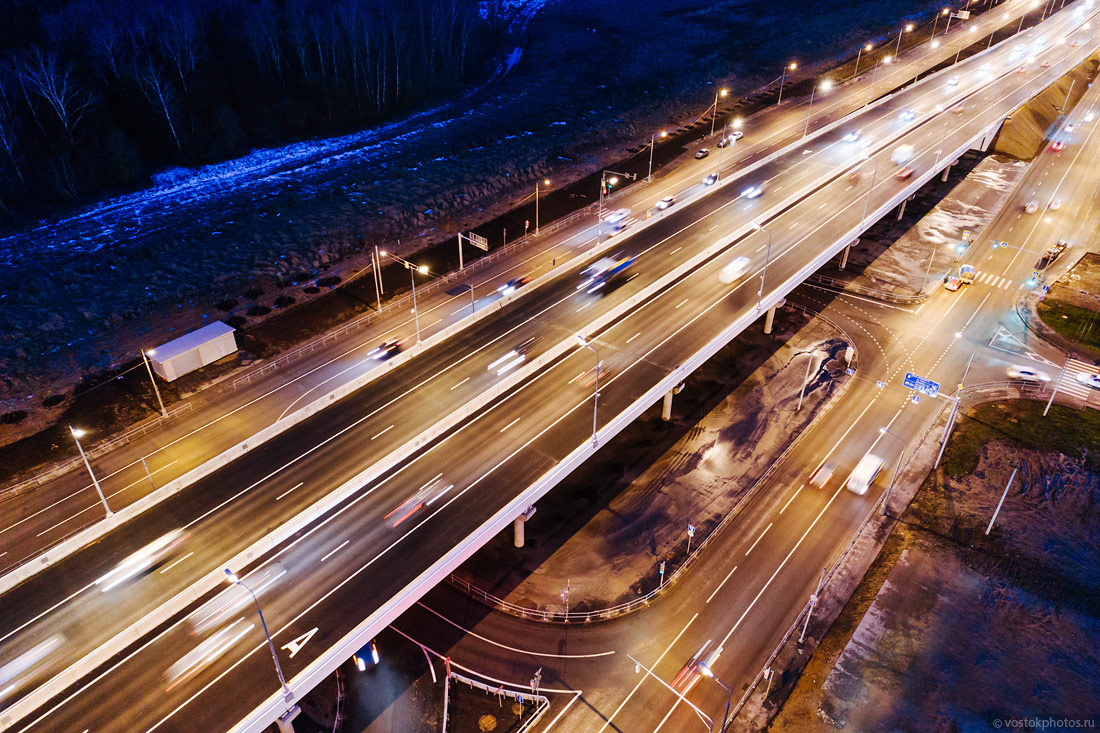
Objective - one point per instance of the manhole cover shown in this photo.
(486, 722)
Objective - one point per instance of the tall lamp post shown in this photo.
(936, 20)
(545, 182)
(901, 459)
(596, 396)
(605, 185)
(288, 695)
(77, 432)
(825, 85)
(720, 93)
(789, 67)
(706, 671)
(413, 269)
(652, 141)
(886, 61)
(865, 47)
(767, 259)
(905, 29)
(149, 368)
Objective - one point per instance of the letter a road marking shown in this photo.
(295, 645)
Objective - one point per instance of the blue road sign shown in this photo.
(922, 385)
(914, 398)
(880, 384)
(849, 372)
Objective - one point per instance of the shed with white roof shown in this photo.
(192, 351)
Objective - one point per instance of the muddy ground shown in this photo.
(967, 630)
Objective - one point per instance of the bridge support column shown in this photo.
(666, 406)
(285, 722)
(844, 255)
(901, 209)
(517, 525)
(769, 319)
(946, 171)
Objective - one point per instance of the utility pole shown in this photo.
(1057, 385)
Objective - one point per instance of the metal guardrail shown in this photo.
(541, 701)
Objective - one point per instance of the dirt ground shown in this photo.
(1072, 305)
(956, 630)
(617, 517)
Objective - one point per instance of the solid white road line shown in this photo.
(759, 538)
(334, 550)
(379, 435)
(296, 486)
(796, 493)
(467, 379)
(715, 591)
(177, 562)
(509, 425)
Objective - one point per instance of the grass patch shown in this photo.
(1072, 321)
(1021, 423)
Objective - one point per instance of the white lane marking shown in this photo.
(379, 435)
(643, 679)
(509, 425)
(470, 632)
(557, 717)
(633, 337)
(296, 486)
(759, 538)
(60, 603)
(675, 250)
(796, 493)
(177, 562)
(467, 379)
(681, 303)
(334, 550)
(968, 320)
(715, 591)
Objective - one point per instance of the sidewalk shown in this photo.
(615, 519)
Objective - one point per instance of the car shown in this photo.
(515, 356)
(1054, 252)
(514, 284)
(1090, 117)
(907, 114)
(385, 350)
(855, 175)
(753, 192)
(367, 656)
(822, 475)
(953, 81)
(1031, 207)
(905, 173)
(725, 142)
(1089, 380)
(864, 474)
(1057, 145)
(952, 282)
(710, 179)
(958, 109)
(616, 216)
(1045, 64)
(1020, 69)
(967, 273)
(1027, 374)
(851, 137)
(143, 561)
(1055, 204)
(702, 153)
(690, 673)
(425, 496)
(666, 202)
(735, 269)
(1074, 44)
(1069, 127)
(736, 135)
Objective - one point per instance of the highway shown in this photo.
(552, 414)
(222, 416)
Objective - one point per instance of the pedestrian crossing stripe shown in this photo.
(986, 278)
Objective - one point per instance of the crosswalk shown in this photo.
(1072, 385)
(987, 278)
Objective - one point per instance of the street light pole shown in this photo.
(826, 85)
(153, 381)
(897, 468)
(874, 174)
(767, 259)
(652, 140)
(805, 380)
(288, 695)
(791, 66)
(866, 47)
(545, 182)
(871, 87)
(76, 437)
(905, 29)
(714, 116)
(706, 671)
(413, 269)
(596, 396)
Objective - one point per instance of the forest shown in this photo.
(96, 95)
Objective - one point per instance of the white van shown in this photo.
(865, 473)
(735, 269)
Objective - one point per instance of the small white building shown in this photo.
(192, 351)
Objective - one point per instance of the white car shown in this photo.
(1069, 127)
(1089, 380)
(666, 202)
(1055, 205)
(1027, 374)
(710, 179)
(1031, 207)
(953, 81)
(753, 192)
(735, 269)
(852, 136)
(736, 135)
(907, 114)
(617, 216)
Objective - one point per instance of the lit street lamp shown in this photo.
(413, 269)
(545, 182)
(945, 11)
(144, 358)
(767, 258)
(77, 432)
(288, 696)
(789, 67)
(825, 86)
(596, 395)
(886, 60)
(708, 672)
(908, 27)
(866, 47)
(719, 93)
(605, 185)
